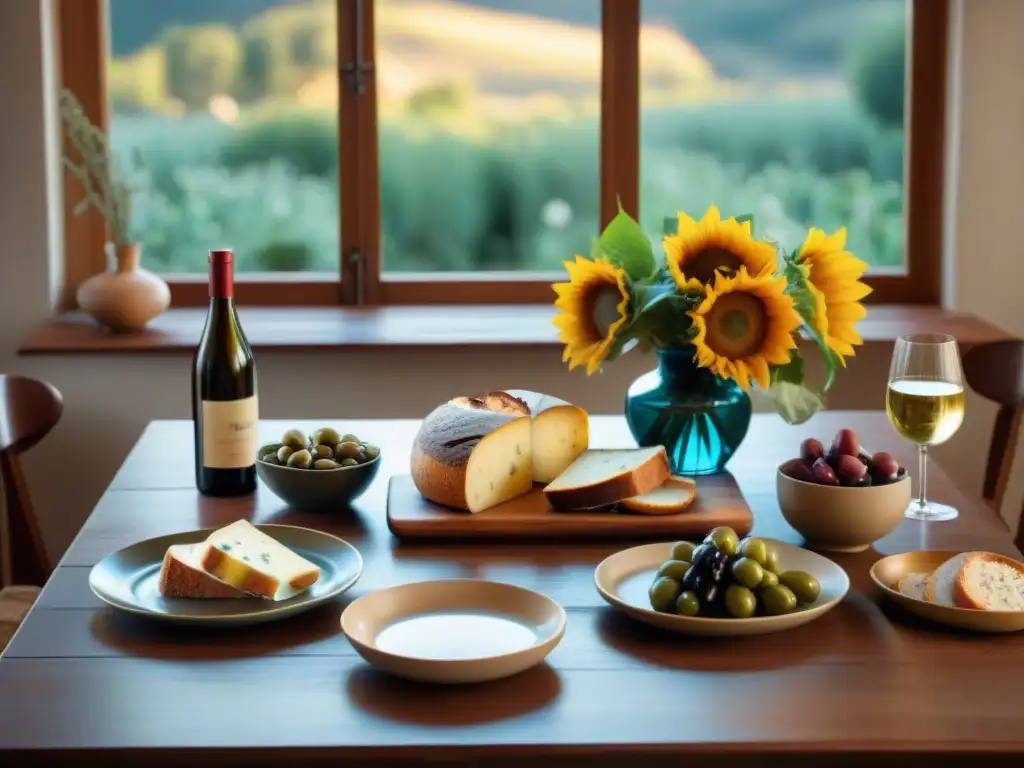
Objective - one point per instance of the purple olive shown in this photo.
(846, 442)
(811, 450)
(850, 470)
(798, 469)
(884, 467)
(823, 473)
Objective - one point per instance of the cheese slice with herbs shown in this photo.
(248, 559)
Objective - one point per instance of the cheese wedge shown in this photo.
(501, 466)
(182, 575)
(673, 496)
(250, 560)
(602, 477)
(561, 432)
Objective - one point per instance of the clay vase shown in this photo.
(126, 298)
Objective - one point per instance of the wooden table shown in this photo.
(81, 683)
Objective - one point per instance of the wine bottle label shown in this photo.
(230, 433)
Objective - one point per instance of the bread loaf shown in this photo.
(990, 582)
(669, 498)
(938, 587)
(474, 453)
(602, 477)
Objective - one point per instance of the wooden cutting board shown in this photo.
(719, 502)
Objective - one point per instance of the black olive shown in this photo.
(703, 553)
(690, 578)
(706, 589)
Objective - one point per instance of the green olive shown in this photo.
(270, 458)
(769, 579)
(324, 464)
(802, 584)
(755, 549)
(674, 569)
(747, 572)
(349, 462)
(267, 449)
(724, 538)
(663, 594)
(371, 451)
(294, 439)
(284, 452)
(771, 559)
(347, 449)
(322, 452)
(778, 600)
(740, 602)
(687, 604)
(349, 438)
(683, 550)
(325, 436)
(300, 459)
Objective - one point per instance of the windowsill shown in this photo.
(334, 328)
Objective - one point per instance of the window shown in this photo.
(435, 151)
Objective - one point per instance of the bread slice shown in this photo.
(182, 575)
(673, 496)
(250, 560)
(913, 585)
(938, 587)
(601, 477)
(990, 582)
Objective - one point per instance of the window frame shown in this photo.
(82, 46)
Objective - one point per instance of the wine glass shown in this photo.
(925, 403)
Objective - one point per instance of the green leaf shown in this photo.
(663, 321)
(795, 403)
(81, 207)
(792, 372)
(624, 244)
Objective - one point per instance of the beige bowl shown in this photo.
(834, 518)
(454, 630)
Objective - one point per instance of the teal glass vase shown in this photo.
(699, 418)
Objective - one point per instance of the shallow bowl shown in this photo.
(318, 490)
(836, 518)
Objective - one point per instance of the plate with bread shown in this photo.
(235, 575)
(980, 591)
(515, 463)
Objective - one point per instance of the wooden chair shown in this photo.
(996, 372)
(29, 409)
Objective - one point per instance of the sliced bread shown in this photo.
(250, 560)
(602, 477)
(182, 575)
(990, 582)
(673, 496)
(913, 585)
(938, 587)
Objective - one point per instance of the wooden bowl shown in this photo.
(834, 518)
(888, 571)
(318, 490)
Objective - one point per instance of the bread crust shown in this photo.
(438, 481)
(646, 477)
(961, 592)
(638, 505)
(180, 580)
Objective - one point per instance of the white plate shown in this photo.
(454, 630)
(624, 578)
(128, 579)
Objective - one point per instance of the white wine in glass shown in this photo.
(925, 403)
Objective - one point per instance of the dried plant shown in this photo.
(98, 170)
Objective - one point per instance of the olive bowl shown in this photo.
(835, 518)
(318, 490)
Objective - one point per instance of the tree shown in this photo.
(879, 71)
(201, 62)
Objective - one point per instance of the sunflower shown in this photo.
(833, 279)
(593, 306)
(744, 324)
(699, 249)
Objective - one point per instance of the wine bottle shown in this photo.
(225, 408)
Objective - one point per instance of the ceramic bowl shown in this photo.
(834, 518)
(318, 490)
